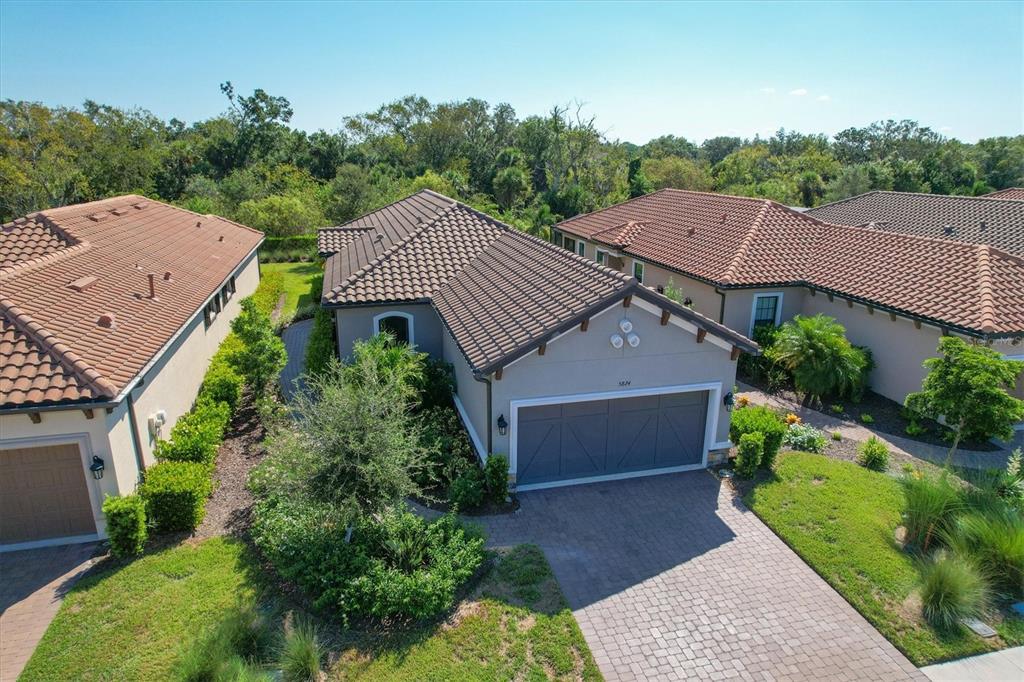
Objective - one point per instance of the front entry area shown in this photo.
(43, 494)
(562, 442)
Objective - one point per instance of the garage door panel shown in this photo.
(605, 437)
(584, 445)
(43, 494)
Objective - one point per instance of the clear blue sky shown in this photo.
(695, 70)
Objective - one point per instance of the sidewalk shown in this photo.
(970, 459)
(1000, 666)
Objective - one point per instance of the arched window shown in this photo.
(399, 325)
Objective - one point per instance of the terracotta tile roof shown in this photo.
(996, 221)
(499, 291)
(744, 242)
(77, 320)
(1011, 193)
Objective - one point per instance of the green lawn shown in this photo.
(134, 621)
(298, 278)
(130, 622)
(841, 519)
(516, 626)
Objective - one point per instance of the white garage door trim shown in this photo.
(714, 390)
(85, 452)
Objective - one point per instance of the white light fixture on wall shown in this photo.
(616, 341)
(625, 325)
(633, 340)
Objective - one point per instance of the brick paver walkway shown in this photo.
(296, 338)
(32, 583)
(671, 578)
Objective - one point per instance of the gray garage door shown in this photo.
(602, 437)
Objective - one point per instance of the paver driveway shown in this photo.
(671, 578)
(32, 584)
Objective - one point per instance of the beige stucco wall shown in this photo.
(173, 383)
(356, 324)
(585, 362)
(897, 346)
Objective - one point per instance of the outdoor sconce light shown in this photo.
(616, 341)
(97, 467)
(633, 340)
(502, 425)
(728, 400)
(625, 325)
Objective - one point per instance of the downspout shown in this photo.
(136, 443)
(485, 380)
(721, 308)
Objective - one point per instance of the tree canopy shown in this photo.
(249, 164)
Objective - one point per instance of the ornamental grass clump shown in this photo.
(872, 454)
(932, 502)
(302, 653)
(952, 588)
(995, 540)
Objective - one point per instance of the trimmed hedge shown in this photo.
(269, 291)
(750, 452)
(321, 348)
(175, 494)
(222, 384)
(126, 524)
(496, 477)
(197, 435)
(758, 419)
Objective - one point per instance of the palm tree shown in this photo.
(821, 359)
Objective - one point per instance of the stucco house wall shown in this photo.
(470, 394)
(585, 362)
(356, 324)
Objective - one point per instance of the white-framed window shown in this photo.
(400, 325)
(601, 257)
(638, 271)
(581, 248)
(766, 309)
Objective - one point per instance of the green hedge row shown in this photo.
(289, 249)
(175, 490)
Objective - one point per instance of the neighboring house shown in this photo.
(574, 370)
(109, 314)
(746, 262)
(1011, 193)
(996, 221)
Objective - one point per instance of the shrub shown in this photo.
(837, 409)
(496, 477)
(268, 293)
(952, 588)
(197, 435)
(221, 384)
(804, 437)
(873, 454)
(392, 587)
(261, 356)
(995, 540)
(866, 418)
(931, 504)
(449, 451)
(749, 453)
(175, 495)
(437, 385)
(836, 436)
(321, 348)
(816, 351)
(301, 653)
(759, 420)
(126, 524)
(467, 490)
(916, 429)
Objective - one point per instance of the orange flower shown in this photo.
(792, 419)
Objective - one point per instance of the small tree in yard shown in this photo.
(354, 445)
(262, 356)
(815, 350)
(968, 386)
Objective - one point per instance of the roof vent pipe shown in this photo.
(152, 285)
(106, 320)
(983, 224)
(167, 276)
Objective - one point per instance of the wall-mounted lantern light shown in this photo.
(728, 400)
(97, 467)
(502, 425)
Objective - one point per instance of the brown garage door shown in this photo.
(43, 494)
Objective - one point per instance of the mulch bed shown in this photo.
(887, 416)
(227, 511)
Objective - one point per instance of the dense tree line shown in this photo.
(250, 165)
